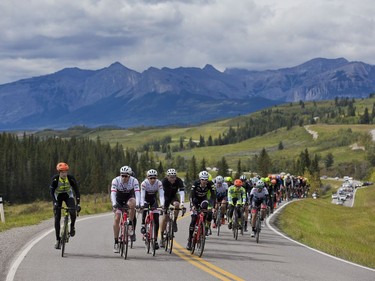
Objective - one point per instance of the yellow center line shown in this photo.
(203, 264)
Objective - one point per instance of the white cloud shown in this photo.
(44, 36)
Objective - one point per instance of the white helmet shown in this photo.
(203, 175)
(259, 184)
(219, 179)
(171, 172)
(152, 173)
(126, 170)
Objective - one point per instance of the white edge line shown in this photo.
(315, 250)
(17, 261)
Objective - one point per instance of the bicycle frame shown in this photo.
(169, 233)
(199, 235)
(64, 234)
(124, 233)
(150, 235)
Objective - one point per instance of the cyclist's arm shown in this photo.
(161, 193)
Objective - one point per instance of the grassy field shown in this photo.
(341, 231)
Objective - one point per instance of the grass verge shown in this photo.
(34, 213)
(341, 231)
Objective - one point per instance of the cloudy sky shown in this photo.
(44, 36)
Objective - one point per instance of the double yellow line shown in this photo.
(200, 263)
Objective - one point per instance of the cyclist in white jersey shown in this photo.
(150, 188)
(221, 198)
(124, 193)
(258, 197)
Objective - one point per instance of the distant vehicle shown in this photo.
(334, 196)
(324, 177)
(337, 178)
(366, 183)
(342, 196)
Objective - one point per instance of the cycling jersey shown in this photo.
(64, 187)
(170, 190)
(238, 195)
(121, 192)
(221, 190)
(149, 192)
(200, 193)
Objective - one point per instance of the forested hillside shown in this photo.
(268, 141)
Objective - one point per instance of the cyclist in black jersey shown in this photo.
(171, 186)
(64, 188)
(202, 196)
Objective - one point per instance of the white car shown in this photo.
(334, 196)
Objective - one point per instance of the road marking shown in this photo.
(203, 264)
(16, 263)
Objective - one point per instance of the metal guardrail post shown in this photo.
(2, 215)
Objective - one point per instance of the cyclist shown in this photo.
(124, 193)
(247, 186)
(236, 196)
(229, 181)
(258, 197)
(221, 188)
(171, 185)
(199, 198)
(151, 187)
(63, 188)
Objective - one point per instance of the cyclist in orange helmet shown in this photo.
(236, 196)
(64, 188)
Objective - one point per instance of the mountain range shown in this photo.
(119, 96)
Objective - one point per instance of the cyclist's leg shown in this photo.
(73, 214)
(57, 215)
(176, 205)
(191, 229)
(230, 219)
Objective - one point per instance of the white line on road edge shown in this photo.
(16, 263)
(315, 250)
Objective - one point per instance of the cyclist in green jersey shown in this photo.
(236, 196)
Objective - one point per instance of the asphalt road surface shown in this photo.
(89, 256)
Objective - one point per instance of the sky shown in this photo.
(39, 37)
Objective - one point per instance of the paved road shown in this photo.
(89, 256)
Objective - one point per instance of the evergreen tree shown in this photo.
(328, 161)
(264, 163)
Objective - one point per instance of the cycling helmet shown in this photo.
(243, 178)
(238, 182)
(228, 179)
(203, 175)
(259, 184)
(126, 170)
(62, 167)
(209, 177)
(152, 173)
(171, 172)
(219, 179)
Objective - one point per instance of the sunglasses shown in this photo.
(204, 179)
(153, 178)
(125, 176)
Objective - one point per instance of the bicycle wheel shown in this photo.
(170, 234)
(193, 241)
(125, 240)
(218, 222)
(148, 238)
(235, 225)
(64, 236)
(201, 239)
(257, 228)
(152, 238)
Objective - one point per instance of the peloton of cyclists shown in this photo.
(150, 188)
(124, 193)
(202, 192)
(171, 186)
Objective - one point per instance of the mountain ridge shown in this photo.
(183, 95)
